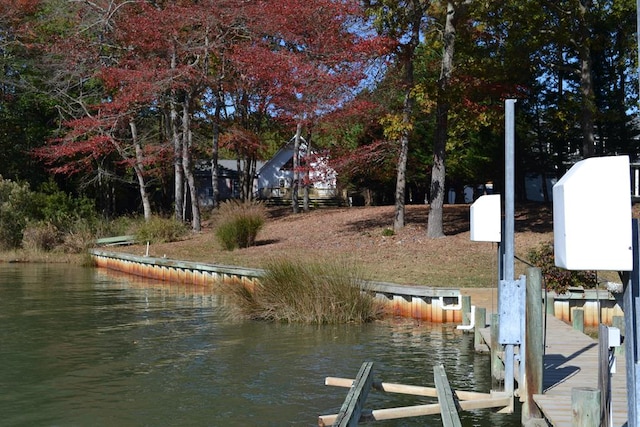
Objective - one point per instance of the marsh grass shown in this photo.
(310, 293)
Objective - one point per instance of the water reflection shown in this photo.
(86, 347)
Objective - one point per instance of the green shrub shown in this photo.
(62, 209)
(16, 208)
(387, 232)
(239, 223)
(41, 220)
(308, 293)
(558, 279)
(160, 230)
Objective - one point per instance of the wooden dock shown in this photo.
(571, 360)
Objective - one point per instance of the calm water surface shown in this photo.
(84, 347)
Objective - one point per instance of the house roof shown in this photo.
(229, 165)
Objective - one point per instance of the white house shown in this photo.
(275, 177)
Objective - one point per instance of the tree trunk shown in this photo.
(296, 167)
(586, 83)
(307, 177)
(215, 151)
(401, 173)
(249, 173)
(407, 112)
(186, 165)
(138, 168)
(177, 152)
(435, 227)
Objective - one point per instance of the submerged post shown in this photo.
(480, 322)
(497, 368)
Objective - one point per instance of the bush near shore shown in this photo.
(309, 293)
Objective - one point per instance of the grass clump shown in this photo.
(239, 223)
(313, 293)
(41, 236)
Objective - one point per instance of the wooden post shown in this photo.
(534, 348)
(497, 368)
(349, 414)
(585, 405)
(550, 301)
(604, 379)
(480, 322)
(577, 319)
(466, 309)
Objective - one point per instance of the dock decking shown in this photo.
(571, 360)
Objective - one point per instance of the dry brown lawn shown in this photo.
(355, 236)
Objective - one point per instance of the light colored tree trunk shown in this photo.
(187, 168)
(177, 152)
(296, 166)
(438, 174)
(407, 113)
(138, 168)
(307, 178)
(586, 83)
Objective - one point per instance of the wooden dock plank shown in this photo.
(571, 360)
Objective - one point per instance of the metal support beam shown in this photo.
(508, 306)
(631, 307)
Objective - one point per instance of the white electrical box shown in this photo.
(592, 216)
(486, 219)
(614, 336)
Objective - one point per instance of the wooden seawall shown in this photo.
(438, 305)
(598, 306)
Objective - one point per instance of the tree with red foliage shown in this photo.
(134, 74)
(149, 60)
(311, 56)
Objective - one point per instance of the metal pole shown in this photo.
(631, 308)
(509, 178)
(638, 35)
(509, 228)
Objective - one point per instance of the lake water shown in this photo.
(85, 347)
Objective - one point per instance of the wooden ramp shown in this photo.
(571, 360)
